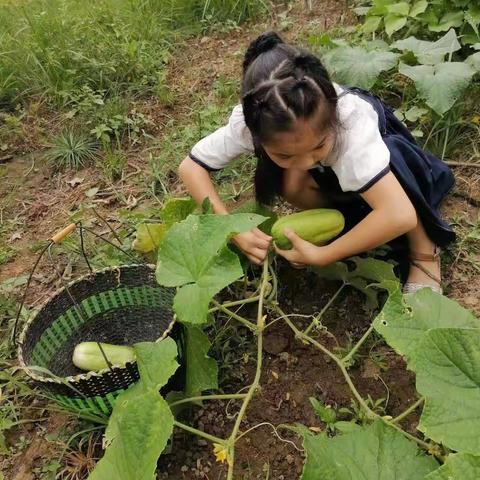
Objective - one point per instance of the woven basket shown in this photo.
(121, 306)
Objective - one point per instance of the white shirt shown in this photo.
(360, 155)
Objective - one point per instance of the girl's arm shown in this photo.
(392, 215)
(253, 243)
(198, 183)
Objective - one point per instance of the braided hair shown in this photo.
(281, 84)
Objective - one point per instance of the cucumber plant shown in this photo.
(438, 338)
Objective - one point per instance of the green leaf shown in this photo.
(156, 362)
(149, 236)
(449, 20)
(404, 320)
(460, 466)
(448, 374)
(375, 452)
(139, 429)
(417, 8)
(400, 8)
(202, 371)
(440, 85)
(254, 207)
(177, 209)
(371, 24)
(474, 61)
(414, 113)
(325, 413)
(194, 256)
(358, 66)
(430, 53)
(393, 23)
(472, 16)
(368, 272)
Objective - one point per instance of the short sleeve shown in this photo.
(363, 157)
(216, 150)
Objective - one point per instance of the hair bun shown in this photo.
(261, 44)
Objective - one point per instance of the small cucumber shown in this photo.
(317, 226)
(88, 356)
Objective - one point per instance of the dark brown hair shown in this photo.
(281, 83)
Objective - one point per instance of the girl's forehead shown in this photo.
(304, 135)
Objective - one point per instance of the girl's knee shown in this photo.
(300, 190)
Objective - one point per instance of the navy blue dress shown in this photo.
(425, 178)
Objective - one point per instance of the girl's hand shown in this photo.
(303, 253)
(254, 244)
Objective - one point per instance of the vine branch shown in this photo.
(256, 381)
(409, 410)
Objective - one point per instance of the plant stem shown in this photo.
(409, 410)
(354, 350)
(209, 397)
(235, 303)
(359, 398)
(423, 444)
(324, 309)
(237, 317)
(199, 433)
(337, 360)
(256, 381)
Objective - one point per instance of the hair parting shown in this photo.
(281, 84)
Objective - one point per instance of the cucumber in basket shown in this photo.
(88, 356)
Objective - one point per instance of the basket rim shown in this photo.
(86, 375)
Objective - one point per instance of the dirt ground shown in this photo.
(41, 203)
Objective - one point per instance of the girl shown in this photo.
(319, 144)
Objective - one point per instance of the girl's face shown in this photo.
(302, 147)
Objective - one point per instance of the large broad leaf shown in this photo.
(358, 66)
(430, 53)
(254, 207)
(472, 16)
(141, 422)
(202, 370)
(149, 236)
(449, 20)
(368, 272)
(194, 256)
(157, 362)
(417, 8)
(440, 85)
(460, 466)
(375, 452)
(474, 61)
(177, 209)
(138, 431)
(448, 375)
(393, 23)
(404, 320)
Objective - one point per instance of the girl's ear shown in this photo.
(261, 44)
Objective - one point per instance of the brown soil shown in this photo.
(39, 202)
(293, 372)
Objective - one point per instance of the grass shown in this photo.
(207, 114)
(72, 150)
(55, 48)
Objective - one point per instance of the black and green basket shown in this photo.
(122, 306)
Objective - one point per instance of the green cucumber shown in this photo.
(316, 226)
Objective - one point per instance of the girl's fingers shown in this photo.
(261, 234)
(259, 253)
(262, 243)
(254, 259)
(298, 265)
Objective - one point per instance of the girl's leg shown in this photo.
(301, 190)
(420, 243)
